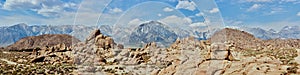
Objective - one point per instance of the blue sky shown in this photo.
(184, 13)
(261, 13)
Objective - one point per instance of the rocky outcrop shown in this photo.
(56, 54)
(96, 50)
(32, 42)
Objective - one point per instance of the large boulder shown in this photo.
(93, 35)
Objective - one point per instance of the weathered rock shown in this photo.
(218, 46)
(38, 59)
(120, 46)
(93, 35)
(220, 54)
(218, 51)
(297, 59)
(104, 42)
(22, 61)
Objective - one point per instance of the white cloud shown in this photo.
(172, 0)
(288, 0)
(214, 10)
(186, 5)
(175, 20)
(115, 10)
(32, 20)
(167, 9)
(298, 14)
(21, 4)
(48, 8)
(275, 10)
(50, 11)
(159, 15)
(87, 14)
(258, 0)
(198, 24)
(233, 22)
(200, 14)
(254, 7)
(135, 22)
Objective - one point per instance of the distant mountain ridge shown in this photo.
(152, 31)
(11, 34)
(286, 32)
(157, 32)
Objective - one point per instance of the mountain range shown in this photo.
(151, 31)
(16, 32)
(286, 32)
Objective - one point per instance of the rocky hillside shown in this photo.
(246, 41)
(40, 41)
(235, 36)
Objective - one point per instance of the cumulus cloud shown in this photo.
(88, 13)
(298, 14)
(200, 14)
(135, 22)
(167, 9)
(172, 0)
(48, 8)
(186, 5)
(175, 20)
(159, 15)
(33, 20)
(115, 10)
(214, 10)
(49, 11)
(198, 24)
(275, 10)
(254, 7)
(231, 22)
(289, 0)
(21, 4)
(258, 0)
